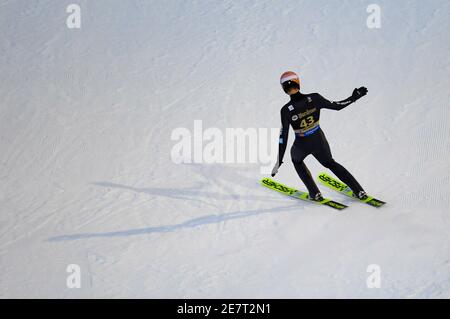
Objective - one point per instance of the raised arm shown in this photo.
(323, 103)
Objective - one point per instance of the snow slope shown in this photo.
(86, 117)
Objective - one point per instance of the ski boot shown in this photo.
(361, 195)
(316, 197)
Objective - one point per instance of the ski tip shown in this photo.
(375, 203)
(335, 205)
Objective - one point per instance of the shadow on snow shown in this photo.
(184, 194)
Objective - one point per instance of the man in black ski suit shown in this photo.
(302, 113)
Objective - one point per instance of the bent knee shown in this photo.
(329, 163)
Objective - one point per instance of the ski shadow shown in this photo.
(196, 222)
(187, 193)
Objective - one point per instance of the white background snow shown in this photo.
(87, 178)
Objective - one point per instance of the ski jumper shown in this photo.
(303, 113)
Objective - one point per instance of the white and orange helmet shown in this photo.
(289, 80)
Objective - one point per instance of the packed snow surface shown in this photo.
(88, 177)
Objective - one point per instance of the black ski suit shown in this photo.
(303, 113)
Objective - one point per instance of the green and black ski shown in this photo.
(340, 187)
(267, 182)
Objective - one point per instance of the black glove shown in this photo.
(359, 93)
(275, 169)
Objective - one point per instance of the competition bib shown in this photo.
(306, 121)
